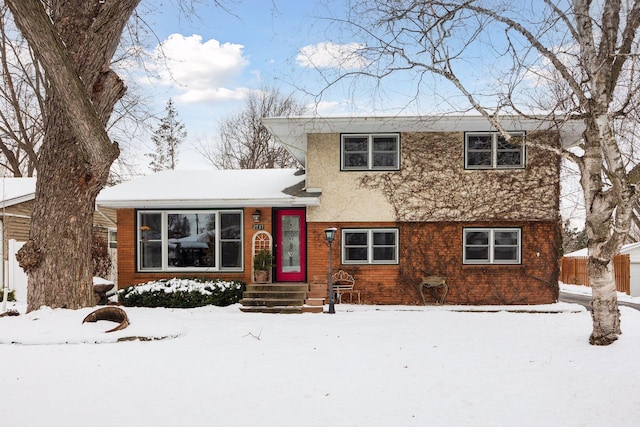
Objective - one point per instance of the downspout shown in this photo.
(5, 285)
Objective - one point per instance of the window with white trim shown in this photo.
(492, 246)
(190, 240)
(490, 150)
(370, 246)
(370, 152)
(112, 238)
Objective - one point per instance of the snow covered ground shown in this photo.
(363, 366)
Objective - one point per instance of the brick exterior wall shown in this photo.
(425, 249)
(430, 200)
(436, 249)
(127, 274)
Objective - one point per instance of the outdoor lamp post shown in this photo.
(330, 234)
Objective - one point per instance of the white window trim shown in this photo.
(370, 246)
(494, 151)
(111, 243)
(164, 239)
(491, 260)
(370, 137)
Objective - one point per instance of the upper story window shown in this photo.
(492, 245)
(370, 246)
(489, 150)
(189, 240)
(370, 152)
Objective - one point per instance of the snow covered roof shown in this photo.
(211, 188)
(16, 190)
(291, 132)
(633, 249)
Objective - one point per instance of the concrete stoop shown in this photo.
(280, 298)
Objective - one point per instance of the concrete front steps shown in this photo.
(282, 298)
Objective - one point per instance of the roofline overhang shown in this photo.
(291, 132)
(211, 204)
(17, 200)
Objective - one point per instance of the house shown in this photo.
(168, 223)
(16, 203)
(410, 197)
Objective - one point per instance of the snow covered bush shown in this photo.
(182, 293)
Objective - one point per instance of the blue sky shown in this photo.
(211, 61)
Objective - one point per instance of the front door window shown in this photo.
(290, 238)
(290, 245)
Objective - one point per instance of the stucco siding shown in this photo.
(343, 198)
(432, 183)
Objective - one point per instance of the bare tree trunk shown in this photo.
(76, 153)
(609, 211)
(604, 303)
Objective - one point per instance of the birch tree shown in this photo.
(570, 59)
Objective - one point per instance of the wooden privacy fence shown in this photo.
(573, 270)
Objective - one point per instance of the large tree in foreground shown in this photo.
(572, 59)
(74, 40)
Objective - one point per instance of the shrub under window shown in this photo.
(182, 293)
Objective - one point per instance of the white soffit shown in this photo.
(292, 132)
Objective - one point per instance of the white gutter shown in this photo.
(17, 200)
(5, 285)
(14, 215)
(228, 203)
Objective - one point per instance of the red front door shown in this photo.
(291, 247)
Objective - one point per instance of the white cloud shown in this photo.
(219, 94)
(331, 55)
(199, 71)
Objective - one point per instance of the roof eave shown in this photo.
(291, 132)
(17, 200)
(209, 204)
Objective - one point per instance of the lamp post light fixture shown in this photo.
(330, 234)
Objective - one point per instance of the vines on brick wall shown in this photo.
(433, 187)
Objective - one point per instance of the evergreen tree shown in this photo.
(167, 137)
(572, 238)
